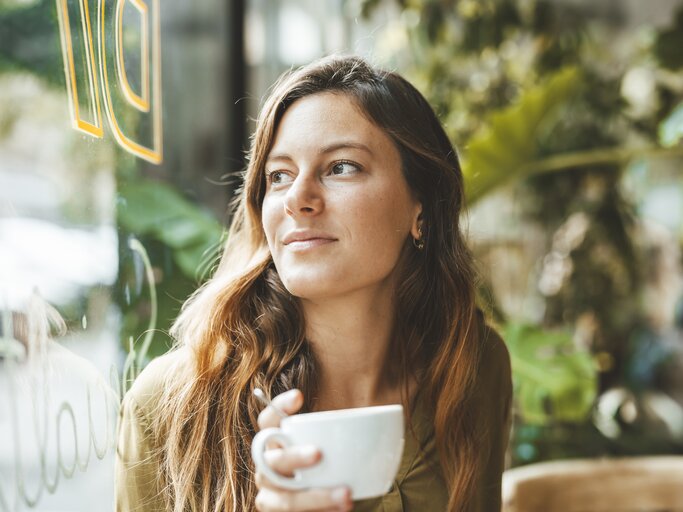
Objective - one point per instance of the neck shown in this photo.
(350, 337)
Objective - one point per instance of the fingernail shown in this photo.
(340, 495)
(291, 394)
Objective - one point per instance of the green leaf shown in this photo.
(671, 129)
(156, 210)
(554, 382)
(142, 206)
(196, 260)
(503, 150)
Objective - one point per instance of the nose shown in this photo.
(304, 196)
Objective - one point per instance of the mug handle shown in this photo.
(258, 448)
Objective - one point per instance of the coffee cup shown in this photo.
(361, 448)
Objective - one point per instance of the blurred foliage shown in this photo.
(156, 210)
(560, 98)
(554, 381)
(671, 129)
(142, 300)
(498, 153)
(182, 242)
(29, 40)
(669, 43)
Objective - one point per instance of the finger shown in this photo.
(286, 460)
(260, 480)
(289, 402)
(272, 500)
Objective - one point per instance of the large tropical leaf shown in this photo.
(553, 380)
(502, 151)
(155, 209)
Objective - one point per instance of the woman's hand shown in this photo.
(286, 460)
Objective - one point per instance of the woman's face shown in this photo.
(337, 209)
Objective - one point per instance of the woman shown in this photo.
(345, 282)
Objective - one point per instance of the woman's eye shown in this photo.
(276, 177)
(344, 168)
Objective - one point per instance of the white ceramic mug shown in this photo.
(361, 448)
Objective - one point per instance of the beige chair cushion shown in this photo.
(642, 484)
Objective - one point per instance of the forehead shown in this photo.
(324, 118)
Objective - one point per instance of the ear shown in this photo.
(416, 227)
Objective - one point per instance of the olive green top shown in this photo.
(419, 485)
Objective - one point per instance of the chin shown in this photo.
(311, 286)
(306, 290)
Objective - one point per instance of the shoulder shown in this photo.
(149, 386)
(494, 378)
(492, 409)
(494, 352)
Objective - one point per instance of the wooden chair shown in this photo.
(637, 484)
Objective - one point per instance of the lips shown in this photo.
(309, 236)
(307, 245)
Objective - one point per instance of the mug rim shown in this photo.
(354, 412)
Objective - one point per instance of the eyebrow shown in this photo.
(325, 149)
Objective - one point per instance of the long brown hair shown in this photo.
(243, 329)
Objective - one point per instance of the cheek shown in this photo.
(269, 221)
(381, 225)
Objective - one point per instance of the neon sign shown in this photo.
(104, 81)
